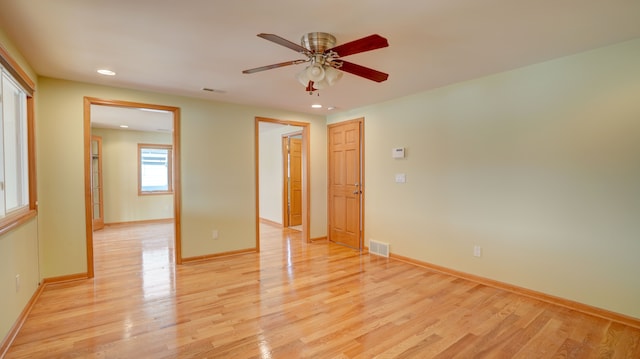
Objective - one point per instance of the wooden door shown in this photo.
(295, 181)
(97, 207)
(345, 183)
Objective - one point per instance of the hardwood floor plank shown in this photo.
(294, 300)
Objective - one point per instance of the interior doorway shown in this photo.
(273, 180)
(140, 118)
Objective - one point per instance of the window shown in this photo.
(154, 169)
(14, 155)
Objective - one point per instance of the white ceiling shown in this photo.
(179, 47)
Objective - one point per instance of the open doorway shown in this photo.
(152, 137)
(277, 195)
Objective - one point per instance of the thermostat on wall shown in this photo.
(397, 152)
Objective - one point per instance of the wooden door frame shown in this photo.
(285, 182)
(360, 121)
(100, 224)
(88, 101)
(306, 193)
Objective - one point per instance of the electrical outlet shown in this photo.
(477, 251)
(17, 282)
(214, 234)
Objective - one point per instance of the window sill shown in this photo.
(14, 220)
(154, 193)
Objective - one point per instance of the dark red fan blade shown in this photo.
(362, 71)
(274, 66)
(368, 43)
(283, 42)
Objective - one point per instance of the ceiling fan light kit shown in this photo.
(326, 66)
(322, 76)
(315, 72)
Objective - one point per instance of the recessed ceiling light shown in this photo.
(316, 105)
(331, 108)
(106, 72)
(124, 126)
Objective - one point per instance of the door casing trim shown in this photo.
(88, 101)
(306, 170)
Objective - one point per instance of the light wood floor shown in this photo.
(294, 300)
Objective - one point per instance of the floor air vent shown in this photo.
(378, 248)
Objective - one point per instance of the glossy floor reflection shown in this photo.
(294, 300)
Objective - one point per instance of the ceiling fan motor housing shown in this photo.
(318, 42)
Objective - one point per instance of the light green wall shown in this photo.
(539, 166)
(120, 177)
(17, 56)
(18, 247)
(18, 256)
(218, 171)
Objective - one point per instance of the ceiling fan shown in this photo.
(325, 58)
